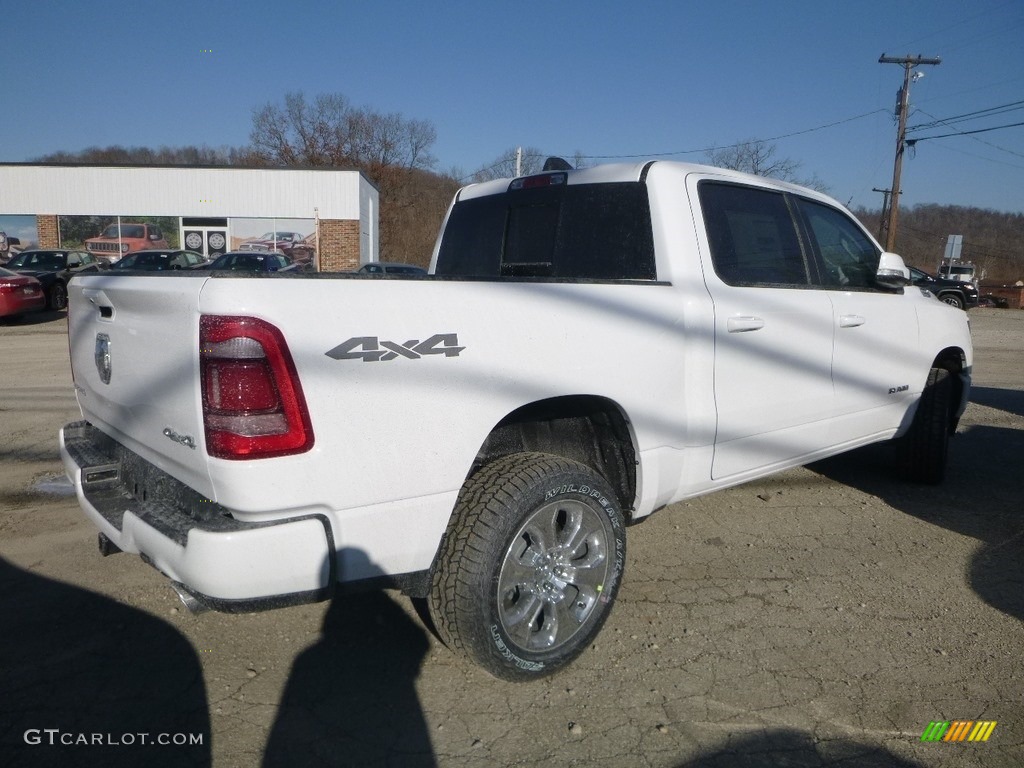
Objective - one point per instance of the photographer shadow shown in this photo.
(351, 699)
(789, 747)
(85, 680)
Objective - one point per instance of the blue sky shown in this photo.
(592, 76)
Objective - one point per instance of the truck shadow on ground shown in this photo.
(980, 498)
(1009, 400)
(35, 318)
(351, 700)
(82, 677)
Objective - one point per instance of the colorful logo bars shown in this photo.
(959, 730)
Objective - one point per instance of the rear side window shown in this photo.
(585, 231)
(752, 236)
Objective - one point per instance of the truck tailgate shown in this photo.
(135, 360)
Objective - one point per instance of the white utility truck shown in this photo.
(590, 346)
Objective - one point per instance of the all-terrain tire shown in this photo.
(923, 451)
(530, 565)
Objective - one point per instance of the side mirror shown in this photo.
(892, 272)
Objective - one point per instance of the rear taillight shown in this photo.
(253, 407)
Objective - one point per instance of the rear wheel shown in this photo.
(57, 298)
(530, 565)
(923, 451)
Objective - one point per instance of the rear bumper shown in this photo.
(225, 563)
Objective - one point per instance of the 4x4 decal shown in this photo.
(370, 349)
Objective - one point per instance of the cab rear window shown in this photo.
(584, 231)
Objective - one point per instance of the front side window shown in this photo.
(848, 258)
(752, 236)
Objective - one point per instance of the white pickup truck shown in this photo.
(590, 346)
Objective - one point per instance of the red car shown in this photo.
(19, 294)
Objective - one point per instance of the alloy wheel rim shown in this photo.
(553, 574)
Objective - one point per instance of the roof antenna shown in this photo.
(556, 164)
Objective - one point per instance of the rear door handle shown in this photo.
(744, 324)
(850, 321)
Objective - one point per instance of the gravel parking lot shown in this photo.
(824, 616)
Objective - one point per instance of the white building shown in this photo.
(206, 209)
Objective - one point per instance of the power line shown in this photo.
(1001, 109)
(975, 138)
(912, 142)
(981, 157)
(960, 24)
(635, 156)
(739, 143)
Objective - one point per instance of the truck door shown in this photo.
(877, 363)
(773, 331)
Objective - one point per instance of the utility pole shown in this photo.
(883, 220)
(902, 106)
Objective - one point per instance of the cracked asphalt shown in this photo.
(824, 616)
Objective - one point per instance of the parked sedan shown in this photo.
(54, 268)
(252, 261)
(292, 244)
(161, 261)
(19, 294)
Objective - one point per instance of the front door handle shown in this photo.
(744, 324)
(850, 321)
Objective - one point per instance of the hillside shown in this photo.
(994, 241)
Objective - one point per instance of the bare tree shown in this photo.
(761, 159)
(504, 165)
(329, 131)
(392, 150)
(118, 155)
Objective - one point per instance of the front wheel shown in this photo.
(923, 451)
(530, 565)
(953, 300)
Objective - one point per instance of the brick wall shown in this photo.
(49, 231)
(339, 245)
